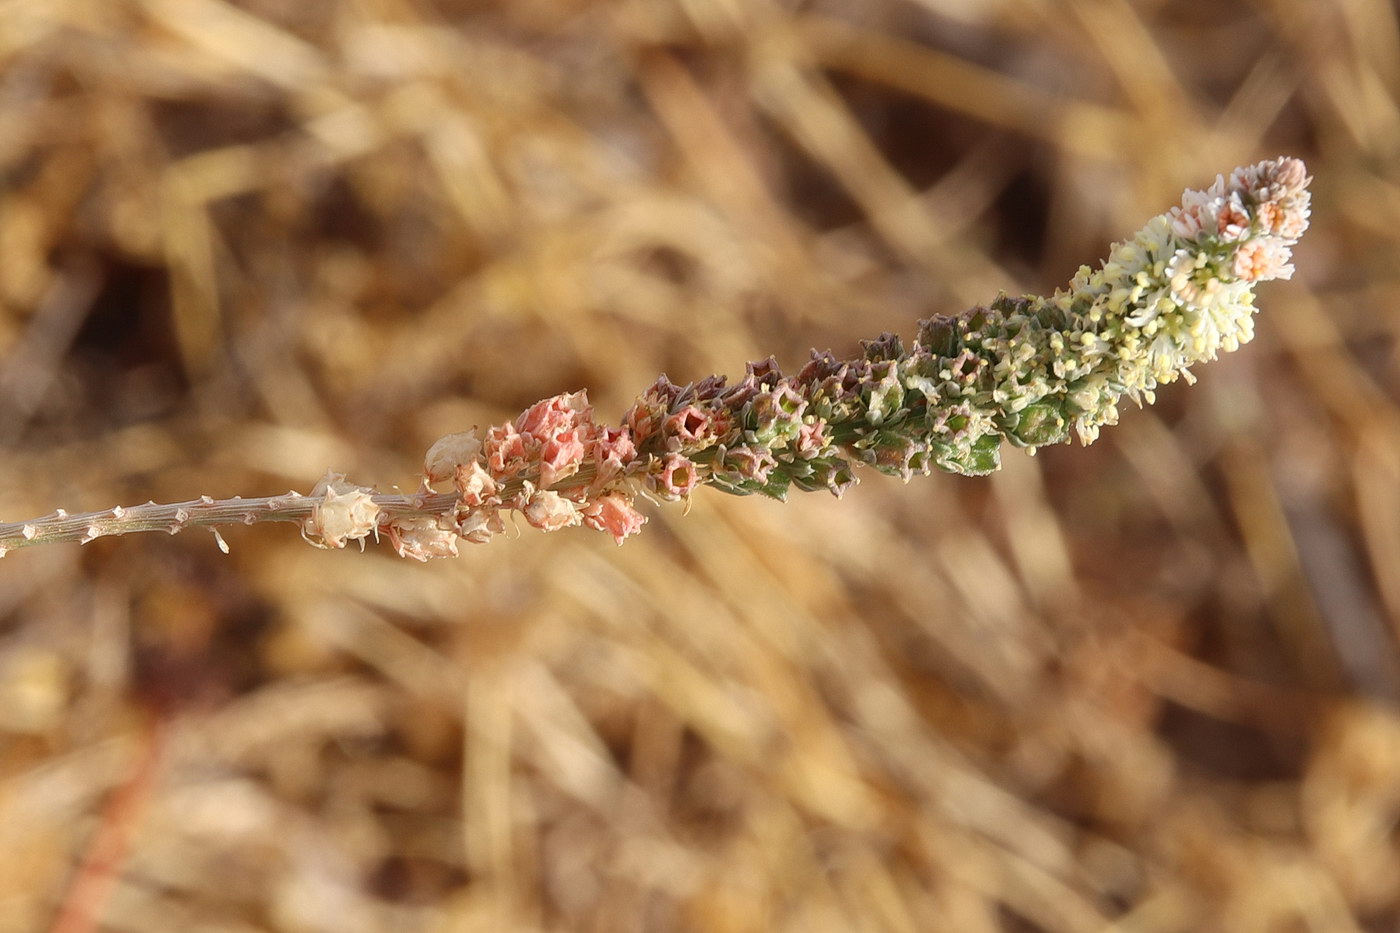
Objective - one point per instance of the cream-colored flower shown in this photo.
(549, 511)
(474, 484)
(423, 538)
(450, 452)
(345, 512)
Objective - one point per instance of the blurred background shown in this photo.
(1146, 686)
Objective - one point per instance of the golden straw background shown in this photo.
(1147, 686)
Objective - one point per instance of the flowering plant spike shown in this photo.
(1030, 371)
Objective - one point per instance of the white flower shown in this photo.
(450, 452)
(549, 511)
(344, 513)
(423, 538)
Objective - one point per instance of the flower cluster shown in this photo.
(1027, 370)
(554, 465)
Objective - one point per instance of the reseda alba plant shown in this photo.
(1030, 371)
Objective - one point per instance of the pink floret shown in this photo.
(614, 514)
(505, 451)
(678, 477)
(560, 456)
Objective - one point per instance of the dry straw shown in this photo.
(1029, 371)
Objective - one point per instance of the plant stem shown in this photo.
(60, 527)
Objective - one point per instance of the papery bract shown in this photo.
(614, 514)
(549, 511)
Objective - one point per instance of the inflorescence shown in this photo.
(1031, 371)
(1026, 370)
